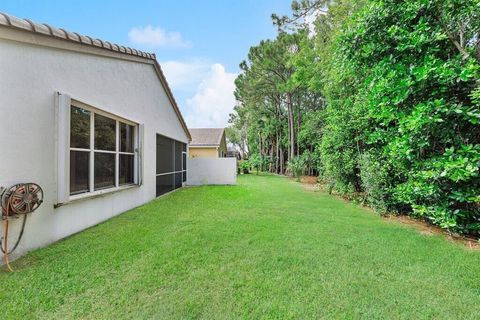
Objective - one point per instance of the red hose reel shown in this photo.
(16, 201)
(21, 198)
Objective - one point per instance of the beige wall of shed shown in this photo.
(207, 152)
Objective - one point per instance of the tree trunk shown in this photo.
(291, 130)
(277, 155)
(242, 148)
(270, 163)
(299, 121)
(259, 144)
(281, 161)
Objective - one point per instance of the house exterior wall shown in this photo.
(30, 77)
(210, 171)
(206, 152)
(222, 150)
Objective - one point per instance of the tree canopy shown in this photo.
(378, 98)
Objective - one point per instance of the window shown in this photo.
(126, 154)
(102, 150)
(79, 150)
(171, 164)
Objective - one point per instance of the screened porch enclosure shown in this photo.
(171, 164)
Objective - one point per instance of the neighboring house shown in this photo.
(93, 123)
(208, 162)
(208, 143)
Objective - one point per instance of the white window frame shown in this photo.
(64, 104)
(184, 171)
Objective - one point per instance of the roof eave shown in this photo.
(221, 136)
(170, 96)
(26, 25)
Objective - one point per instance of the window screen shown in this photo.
(178, 156)
(171, 163)
(178, 180)
(164, 155)
(165, 183)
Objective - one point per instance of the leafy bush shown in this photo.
(405, 89)
(296, 167)
(244, 166)
(375, 182)
(256, 161)
(445, 189)
(312, 162)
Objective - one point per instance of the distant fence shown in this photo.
(211, 171)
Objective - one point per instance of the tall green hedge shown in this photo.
(402, 121)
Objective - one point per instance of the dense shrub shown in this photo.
(244, 167)
(376, 182)
(257, 162)
(296, 167)
(410, 70)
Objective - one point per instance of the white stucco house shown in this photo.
(93, 123)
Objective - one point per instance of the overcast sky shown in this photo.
(198, 43)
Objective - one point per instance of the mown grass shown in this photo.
(265, 249)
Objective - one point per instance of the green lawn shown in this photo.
(263, 249)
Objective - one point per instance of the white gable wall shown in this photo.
(30, 76)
